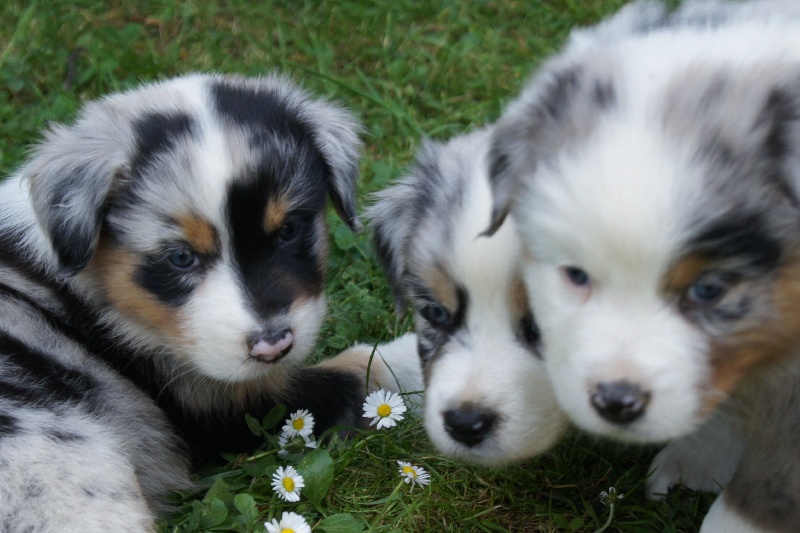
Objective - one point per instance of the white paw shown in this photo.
(703, 461)
(403, 367)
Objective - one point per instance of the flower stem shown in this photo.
(608, 522)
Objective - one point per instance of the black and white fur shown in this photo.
(653, 171)
(162, 264)
(487, 398)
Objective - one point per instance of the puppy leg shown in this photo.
(704, 460)
(722, 518)
(394, 366)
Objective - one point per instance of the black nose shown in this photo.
(469, 425)
(620, 402)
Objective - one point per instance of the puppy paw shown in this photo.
(393, 366)
(704, 461)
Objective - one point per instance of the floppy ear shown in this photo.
(71, 173)
(559, 106)
(336, 136)
(390, 220)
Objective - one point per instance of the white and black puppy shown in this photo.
(487, 397)
(653, 171)
(162, 263)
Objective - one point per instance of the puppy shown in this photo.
(653, 171)
(162, 264)
(487, 398)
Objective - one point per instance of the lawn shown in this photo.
(409, 70)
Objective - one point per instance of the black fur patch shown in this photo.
(157, 133)
(264, 114)
(8, 425)
(744, 238)
(41, 380)
(169, 284)
(276, 272)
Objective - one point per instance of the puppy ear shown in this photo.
(71, 173)
(336, 135)
(559, 106)
(390, 220)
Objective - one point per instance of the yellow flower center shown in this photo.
(288, 484)
(287, 530)
(411, 471)
(384, 410)
(298, 424)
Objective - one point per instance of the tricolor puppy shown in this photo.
(653, 171)
(162, 263)
(487, 397)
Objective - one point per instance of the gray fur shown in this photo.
(87, 374)
(731, 125)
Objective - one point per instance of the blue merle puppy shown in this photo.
(162, 265)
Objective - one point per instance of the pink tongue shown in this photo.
(269, 352)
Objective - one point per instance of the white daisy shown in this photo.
(384, 408)
(413, 475)
(299, 423)
(289, 523)
(294, 444)
(287, 483)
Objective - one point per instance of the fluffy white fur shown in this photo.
(482, 363)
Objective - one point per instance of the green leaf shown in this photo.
(219, 490)
(274, 417)
(258, 468)
(317, 471)
(341, 523)
(253, 425)
(246, 505)
(576, 523)
(215, 513)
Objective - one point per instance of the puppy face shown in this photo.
(487, 398)
(192, 213)
(659, 208)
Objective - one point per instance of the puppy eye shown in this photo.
(288, 232)
(706, 290)
(437, 315)
(184, 259)
(577, 276)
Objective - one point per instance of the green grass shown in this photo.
(409, 69)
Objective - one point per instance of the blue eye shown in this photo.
(706, 290)
(576, 276)
(437, 315)
(184, 259)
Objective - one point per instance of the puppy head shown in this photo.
(487, 398)
(656, 194)
(192, 212)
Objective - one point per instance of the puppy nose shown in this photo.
(269, 346)
(620, 402)
(469, 425)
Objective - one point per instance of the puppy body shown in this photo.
(652, 168)
(487, 398)
(161, 274)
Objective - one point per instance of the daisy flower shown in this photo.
(295, 444)
(287, 483)
(384, 408)
(413, 475)
(289, 523)
(299, 423)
